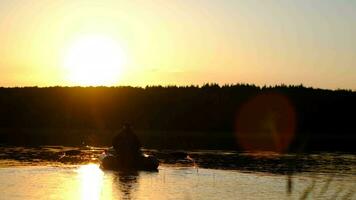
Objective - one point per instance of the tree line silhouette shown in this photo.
(170, 116)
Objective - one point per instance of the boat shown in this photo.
(110, 161)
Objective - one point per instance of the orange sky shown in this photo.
(178, 42)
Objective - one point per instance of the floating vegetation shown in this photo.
(243, 161)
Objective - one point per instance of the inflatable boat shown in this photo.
(109, 161)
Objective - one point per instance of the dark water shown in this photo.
(73, 173)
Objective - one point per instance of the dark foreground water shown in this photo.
(73, 173)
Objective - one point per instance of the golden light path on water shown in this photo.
(86, 182)
(91, 180)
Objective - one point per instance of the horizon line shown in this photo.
(184, 86)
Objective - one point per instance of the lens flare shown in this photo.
(266, 123)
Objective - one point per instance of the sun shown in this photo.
(94, 60)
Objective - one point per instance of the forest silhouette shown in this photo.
(169, 117)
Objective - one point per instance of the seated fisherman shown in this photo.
(127, 147)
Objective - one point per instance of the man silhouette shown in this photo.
(127, 147)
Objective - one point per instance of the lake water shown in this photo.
(53, 180)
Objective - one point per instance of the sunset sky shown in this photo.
(83, 42)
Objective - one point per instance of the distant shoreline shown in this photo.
(206, 117)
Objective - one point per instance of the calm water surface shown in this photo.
(87, 181)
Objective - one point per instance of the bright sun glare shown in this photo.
(91, 178)
(94, 60)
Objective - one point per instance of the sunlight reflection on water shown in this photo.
(96, 184)
(90, 182)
